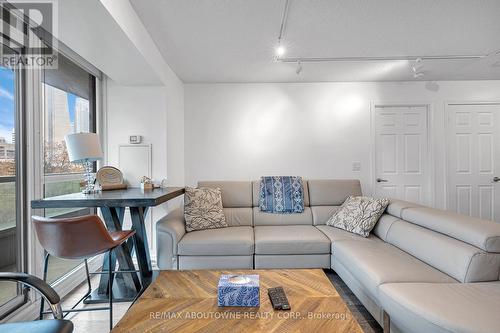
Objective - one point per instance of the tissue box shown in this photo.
(238, 290)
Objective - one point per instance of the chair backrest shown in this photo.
(73, 238)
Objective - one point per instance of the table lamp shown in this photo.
(84, 148)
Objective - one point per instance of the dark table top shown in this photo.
(131, 197)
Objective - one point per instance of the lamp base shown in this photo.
(89, 178)
(90, 191)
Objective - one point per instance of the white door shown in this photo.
(401, 153)
(474, 160)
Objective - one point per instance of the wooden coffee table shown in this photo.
(186, 301)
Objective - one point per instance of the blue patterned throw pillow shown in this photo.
(281, 194)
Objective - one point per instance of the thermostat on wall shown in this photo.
(135, 139)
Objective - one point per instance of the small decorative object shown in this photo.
(146, 183)
(110, 178)
(84, 148)
(238, 290)
(135, 139)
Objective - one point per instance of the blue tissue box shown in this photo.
(238, 290)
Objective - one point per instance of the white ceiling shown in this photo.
(89, 29)
(234, 40)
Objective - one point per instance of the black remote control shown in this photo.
(278, 298)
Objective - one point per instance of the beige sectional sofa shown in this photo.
(430, 270)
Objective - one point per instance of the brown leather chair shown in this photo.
(79, 238)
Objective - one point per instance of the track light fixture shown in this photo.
(280, 50)
(418, 68)
(299, 68)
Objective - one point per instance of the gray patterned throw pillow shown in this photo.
(358, 214)
(203, 209)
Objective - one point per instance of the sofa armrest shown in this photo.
(169, 231)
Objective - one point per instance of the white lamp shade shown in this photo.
(83, 147)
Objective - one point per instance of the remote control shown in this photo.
(278, 298)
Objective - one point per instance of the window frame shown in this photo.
(60, 177)
(20, 182)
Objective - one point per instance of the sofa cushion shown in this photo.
(238, 216)
(462, 261)
(293, 239)
(321, 214)
(383, 226)
(358, 214)
(263, 218)
(256, 193)
(483, 234)
(332, 192)
(216, 262)
(337, 235)
(203, 209)
(455, 307)
(280, 261)
(228, 241)
(234, 193)
(374, 263)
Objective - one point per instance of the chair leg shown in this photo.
(45, 269)
(110, 286)
(89, 286)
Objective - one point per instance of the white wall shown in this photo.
(156, 113)
(138, 110)
(316, 130)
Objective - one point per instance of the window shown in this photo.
(11, 201)
(65, 113)
(67, 104)
(7, 151)
(69, 107)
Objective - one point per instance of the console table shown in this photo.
(112, 205)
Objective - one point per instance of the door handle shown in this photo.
(496, 179)
(380, 180)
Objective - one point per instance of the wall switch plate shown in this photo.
(356, 166)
